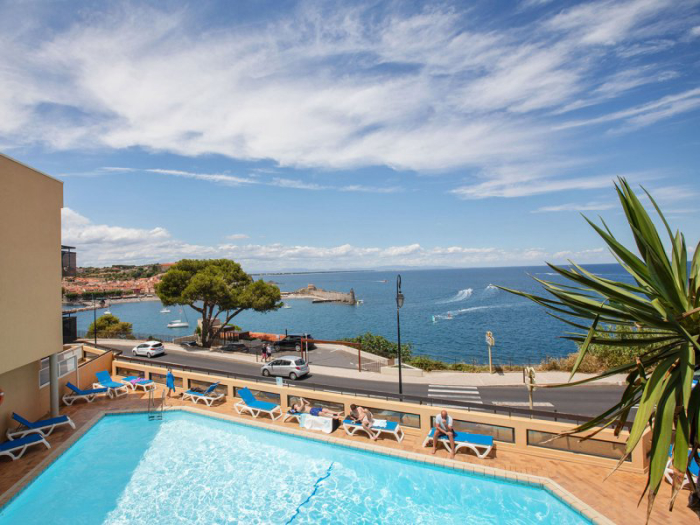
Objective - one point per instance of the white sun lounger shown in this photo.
(77, 393)
(43, 427)
(390, 427)
(249, 404)
(114, 389)
(208, 396)
(480, 444)
(15, 449)
(694, 471)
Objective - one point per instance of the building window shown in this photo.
(67, 363)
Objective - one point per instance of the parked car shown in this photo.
(289, 366)
(234, 347)
(149, 349)
(189, 344)
(295, 342)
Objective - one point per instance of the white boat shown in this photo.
(107, 312)
(286, 306)
(165, 311)
(359, 301)
(178, 323)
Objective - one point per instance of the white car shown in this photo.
(149, 349)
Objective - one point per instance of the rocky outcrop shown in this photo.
(319, 295)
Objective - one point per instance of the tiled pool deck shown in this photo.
(615, 498)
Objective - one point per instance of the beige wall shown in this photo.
(21, 387)
(30, 265)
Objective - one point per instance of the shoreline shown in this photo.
(108, 303)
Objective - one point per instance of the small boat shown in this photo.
(165, 311)
(359, 301)
(107, 312)
(286, 306)
(449, 316)
(178, 323)
(434, 320)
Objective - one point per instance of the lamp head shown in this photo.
(399, 300)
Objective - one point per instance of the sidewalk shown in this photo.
(428, 378)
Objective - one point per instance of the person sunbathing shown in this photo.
(303, 406)
(365, 418)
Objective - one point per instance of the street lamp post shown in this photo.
(399, 304)
(94, 317)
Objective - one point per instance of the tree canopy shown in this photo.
(661, 300)
(108, 326)
(214, 287)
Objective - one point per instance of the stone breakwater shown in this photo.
(319, 295)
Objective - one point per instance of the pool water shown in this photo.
(200, 470)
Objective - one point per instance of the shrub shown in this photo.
(381, 346)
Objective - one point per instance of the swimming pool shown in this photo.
(196, 469)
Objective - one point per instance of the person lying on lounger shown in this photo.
(303, 406)
(443, 426)
(365, 418)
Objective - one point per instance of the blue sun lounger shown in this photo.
(480, 444)
(114, 389)
(43, 427)
(391, 427)
(208, 396)
(16, 448)
(249, 404)
(77, 393)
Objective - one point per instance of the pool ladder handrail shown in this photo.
(154, 413)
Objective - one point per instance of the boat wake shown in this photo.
(463, 311)
(462, 295)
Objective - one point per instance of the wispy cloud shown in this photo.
(645, 114)
(590, 206)
(512, 188)
(237, 237)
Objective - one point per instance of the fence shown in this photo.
(526, 431)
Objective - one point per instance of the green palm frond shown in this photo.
(664, 300)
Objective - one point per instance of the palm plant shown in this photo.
(664, 299)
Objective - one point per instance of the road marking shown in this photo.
(453, 391)
(522, 404)
(456, 393)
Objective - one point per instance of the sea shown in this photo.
(446, 312)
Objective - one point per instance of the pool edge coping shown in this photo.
(550, 486)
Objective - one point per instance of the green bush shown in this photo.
(381, 346)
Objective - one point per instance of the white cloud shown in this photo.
(336, 87)
(237, 236)
(100, 245)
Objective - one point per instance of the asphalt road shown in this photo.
(583, 400)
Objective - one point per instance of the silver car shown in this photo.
(290, 366)
(149, 349)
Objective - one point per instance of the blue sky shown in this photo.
(323, 135)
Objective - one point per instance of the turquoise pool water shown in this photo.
(199, 470)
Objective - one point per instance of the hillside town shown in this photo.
(115, 281)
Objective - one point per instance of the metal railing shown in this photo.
(420, 400)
